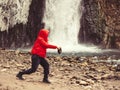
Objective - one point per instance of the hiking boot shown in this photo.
(46, 81)
(19, 75)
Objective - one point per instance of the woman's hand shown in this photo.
(59, 50)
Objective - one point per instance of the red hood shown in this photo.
(43, 34)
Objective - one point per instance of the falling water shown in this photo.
(62, 18)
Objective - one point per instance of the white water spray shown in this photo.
(62, 17)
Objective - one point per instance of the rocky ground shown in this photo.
(67, 72)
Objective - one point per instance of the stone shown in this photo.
(3, 70)
(90, 81)
(81, 82)
(118, 67)
(19, 65)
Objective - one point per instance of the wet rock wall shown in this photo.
(100, 23)
(20, 22)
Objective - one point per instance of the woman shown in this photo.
(38, 55)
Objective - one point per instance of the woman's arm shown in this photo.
(46, 45)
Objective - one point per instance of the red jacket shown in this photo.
(41, 44)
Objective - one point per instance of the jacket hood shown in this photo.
(43, 34)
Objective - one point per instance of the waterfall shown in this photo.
(62, 18)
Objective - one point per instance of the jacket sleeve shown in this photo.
(46, 45)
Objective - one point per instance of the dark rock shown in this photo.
(118, 68)
(100, 24)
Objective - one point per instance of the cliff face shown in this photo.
(100, 23)
(20, 22)
(111, 14)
